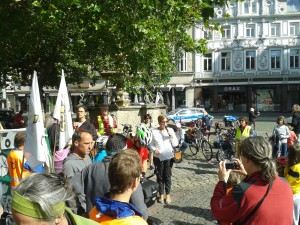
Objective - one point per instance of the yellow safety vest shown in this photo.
(239, 134)
(101, 125)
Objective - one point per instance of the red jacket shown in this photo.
(277, 208)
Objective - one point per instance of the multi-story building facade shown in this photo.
(253, 61)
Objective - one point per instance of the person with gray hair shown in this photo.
(41, 198)
(93, 180)
(262, 197)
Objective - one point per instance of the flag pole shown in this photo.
(54, 148)
(23, 160)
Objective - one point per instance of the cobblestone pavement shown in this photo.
(194, 180)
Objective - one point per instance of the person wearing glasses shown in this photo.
(82, 123)
(243, 130)
(163, 141)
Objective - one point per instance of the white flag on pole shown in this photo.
(36, 149)
(63, 113)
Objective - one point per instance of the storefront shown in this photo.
(266, 97)
(232, 98)
(239, 98)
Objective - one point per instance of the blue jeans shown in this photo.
(283, 149)
(184, 146)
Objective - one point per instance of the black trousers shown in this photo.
(163, 175)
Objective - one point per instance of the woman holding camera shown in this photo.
(260, 197)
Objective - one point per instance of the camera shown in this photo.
(231, 166)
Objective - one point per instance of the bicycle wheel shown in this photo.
(212, 137)
(207, 150)
(221, 155)
(194, 148)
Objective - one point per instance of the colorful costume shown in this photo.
(107, 211)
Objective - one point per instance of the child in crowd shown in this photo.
(292, 138)
(292, 174)
(281, 131)
(124, 177)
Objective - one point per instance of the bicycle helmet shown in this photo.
(101, 142)
(144, 134)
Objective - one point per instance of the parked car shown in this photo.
(7, 118)
(186, 115)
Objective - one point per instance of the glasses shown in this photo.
(242, 121)
(147, 118)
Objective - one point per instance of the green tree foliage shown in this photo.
(137, 39)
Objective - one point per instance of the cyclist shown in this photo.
(206, 121)
(243, 130)
(180, 134)
(138, 142)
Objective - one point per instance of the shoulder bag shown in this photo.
(244, 221)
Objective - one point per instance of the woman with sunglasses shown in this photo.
(163, 141)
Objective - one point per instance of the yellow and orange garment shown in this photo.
(15, 167)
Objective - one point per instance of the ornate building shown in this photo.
(253, 61)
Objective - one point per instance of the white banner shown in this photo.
(36, 149)
(63, 114)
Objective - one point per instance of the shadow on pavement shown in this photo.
(198, 171)
(194, 211)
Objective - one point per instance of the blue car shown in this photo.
(186, 115)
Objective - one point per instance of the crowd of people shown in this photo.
(103, 185)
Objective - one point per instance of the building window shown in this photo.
(275, 59)
(207, 34)
(293, 6)
(182, 63)
(250, 60)
(294, 28)
(207, 62)
(275, 29)
(250, 30)
(250, 7)
(225, 60)
(226, 32)
(294, 58)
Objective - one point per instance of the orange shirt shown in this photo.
(15, 167)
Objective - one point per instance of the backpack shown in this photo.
(150, 190)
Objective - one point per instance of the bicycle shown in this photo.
(198, 141)
(225, 145)
(224, 132)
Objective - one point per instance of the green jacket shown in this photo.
(79, 220)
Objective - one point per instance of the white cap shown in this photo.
(251, 109)
(178, 125)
